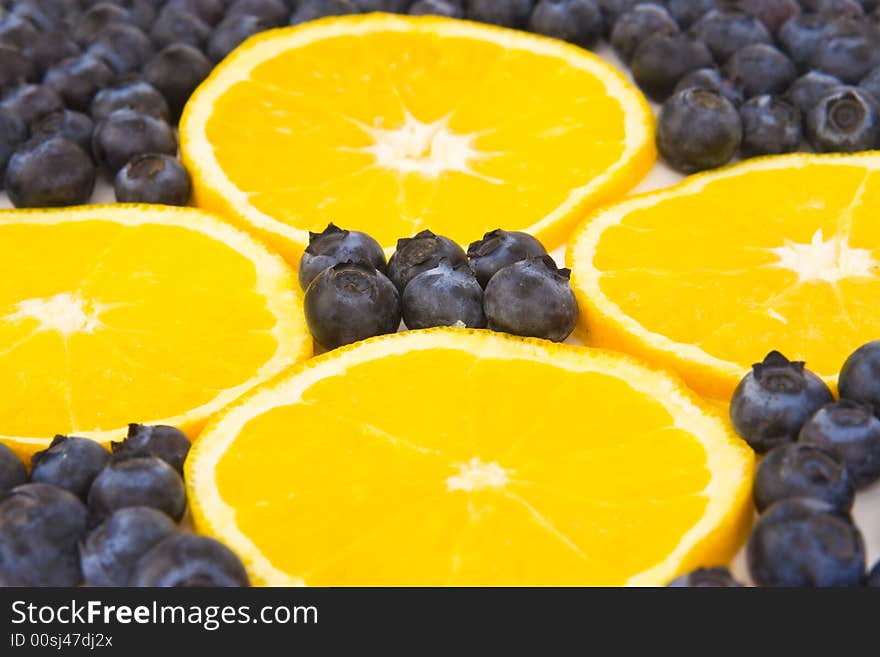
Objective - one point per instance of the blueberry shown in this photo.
(845, 120)
(448, 8)
(760, 69)
(663, 59)
(126, 133)
(274, 12)
(849, 57)
(40, 529)
(871, 84)
(688, 12)
(391, 6)
(859, 378)
(17, 31)
(873, 579)
(421, 253)
(774, 400)
(771, 126)
(698, 129)
(333, 246)
(70, 463)
(167, 443)
(711, 80)
(726, 31)
(500, 248)
(231, 31)
(851, 433)
(153, 178)
(799, 470)
(833, 8)
(806, 92)
(43, 16)
(31, 102)
(176, 25)
(111, 551)
(772, 13)
(14, 68)
(506, 13)
(575, 21)
(141, 13)
(133, 94)
(638, 24)
(800, 37)
(210, 11)
(74, 126)
(532, 298)
(138, 481)
(77, 79)
(175, 72)
(49, 173)
(186, 560)
(48, 49)
(805, 542)
(12, 470)
(123, 46)
(13, 131)
(95, 19)
(350, 302)
(443, 296)
(612, 10)
(705, 578)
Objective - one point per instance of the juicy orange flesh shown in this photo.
(178, 320)
(292, 135)
(668, 266)
(597, 485)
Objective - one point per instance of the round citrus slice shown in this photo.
(709, 276)
(471, 458)
(391, 125)
(118, 314)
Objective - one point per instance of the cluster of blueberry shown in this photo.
(87, 516)
(505, 282)
(818, 454)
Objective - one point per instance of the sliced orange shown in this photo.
(471, 458)
(391, 124)
(116, 314)
(708, 276)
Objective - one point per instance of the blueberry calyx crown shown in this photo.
(318, 241)
(847, 112)
(39, 456)
(490, 242)
(419, 248)
(778, 374)
(848, 413)
(562, 274)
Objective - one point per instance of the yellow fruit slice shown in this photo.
(122, 313)
(708, 276)
(453, 457)
(391, 125)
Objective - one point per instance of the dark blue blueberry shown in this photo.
(500, 248)
(774, 400)
(111, 551)
(726, 31)
(448, 8)
(13, 131)
(176, 25)
(153, 178)
(711, 80)
(688, 12)
(14, 68)
(123, 46)
(175, 72)
(532, 298)
(391, 6)
(760, 69)
(705, 578)
(31, 102)
(350, 302)
(805, 542)
(232, 31)
(614, 9)
(421, 253)
(210, 11)
(851, 433)
(771, 126)
(140, 12)
(506, 13)
(40, 530)
(806, 92)
(70, 463)
(186, 560)
(698, 129)
(12, 470)
(871, 83)
(126, 133)
(49, 173)
(274, 12)
(138, 481)
(137, 95)
(44, 16)
(576, 21)
(636, 25)
(662, 60)
(772, 13)
(333, 246)
(17, 31)
(48, 49)
(309, 10)
(443, 296)
(77, 79)
(873, 579)
(74, 126)
(859, 378)
(848, 57)
(833, 8)
(167, 443)
(800, 36)
(845, 120)
(798, 470)
(95, 19)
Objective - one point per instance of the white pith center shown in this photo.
(830, 260)
(477, 475)
(65, 313)
(430, 149)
